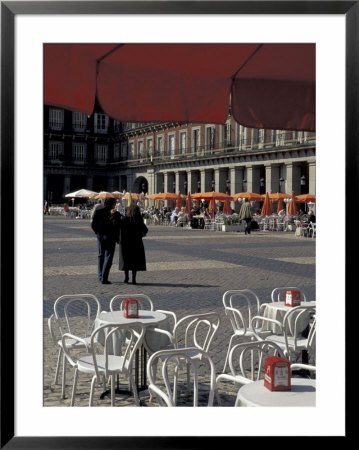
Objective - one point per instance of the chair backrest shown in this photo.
(134, 336)
(240, 306)
(116, 303)
(69, 307)
(164, 385)
(296, 319)
(246, 360)
(277, 294)
(196, 330)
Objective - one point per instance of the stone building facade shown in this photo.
(99, 153)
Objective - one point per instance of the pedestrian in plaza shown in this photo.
(131, 250)
(245, 213)
(104, 224)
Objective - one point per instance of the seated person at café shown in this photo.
(174, 216)
(181, 218)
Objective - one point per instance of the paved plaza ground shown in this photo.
(188, 271)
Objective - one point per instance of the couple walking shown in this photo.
(128, 231)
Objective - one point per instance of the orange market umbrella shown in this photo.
(104, 194)
(226, 207)
(212, 205)
(251, 196)
(276, 196)
(267, 207)
(188, 203)
(163, 196)
(212, 195)
(179, 201)
(305, 198)
(292, 208)
(280, 205)
(117, 194)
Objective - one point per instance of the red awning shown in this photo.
(269, 85)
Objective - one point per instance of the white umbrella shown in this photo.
(80, 193)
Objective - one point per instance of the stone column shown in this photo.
(250, 186)
(312, 175)
(290, 184)
(236, 177)
(177, 181)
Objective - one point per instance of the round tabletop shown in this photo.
(277, 311)
(144, 316)
(302, 393)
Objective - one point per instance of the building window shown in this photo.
(101, 153)
(210, 138)
(261, 138)
(79, 121)
(183, 142)
(279, 137)
(56, 119)
(195, 140)
(56, 150)
(78, 152)
(101, 123)
(149, 147)
(123, 150)
(242, 136)
(140, 149)
(116, 152)
(131, 149)
(160, 146)
(171, 145)
(226, 134)
(116, 126)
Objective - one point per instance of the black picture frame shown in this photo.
(9, 9)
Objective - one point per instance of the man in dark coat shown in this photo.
(245, 213)
(103, 224)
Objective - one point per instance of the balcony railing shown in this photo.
(186, 154)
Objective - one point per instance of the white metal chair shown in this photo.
(165, 390)
(240, 306)
(246, 362)
(290, 339)
(67, 309)
(209, 224)
(144, 301)
(100, 364)
(195, 331)
(303, 368)
(312, 230)
(278, 293)
(219, 221)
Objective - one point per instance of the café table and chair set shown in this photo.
(163, 356)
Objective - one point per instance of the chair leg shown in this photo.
(228, 351)
(92, 389)
(112, 390)
(58, 366)
(74, 387)
(134, 390)
(63, 376)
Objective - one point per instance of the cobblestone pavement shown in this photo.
(187, 271)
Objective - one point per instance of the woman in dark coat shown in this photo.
(131, 249)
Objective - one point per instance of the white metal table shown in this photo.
(277, 311)
(302, 393)
(152, 341)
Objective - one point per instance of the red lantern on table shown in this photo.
(130, 308)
